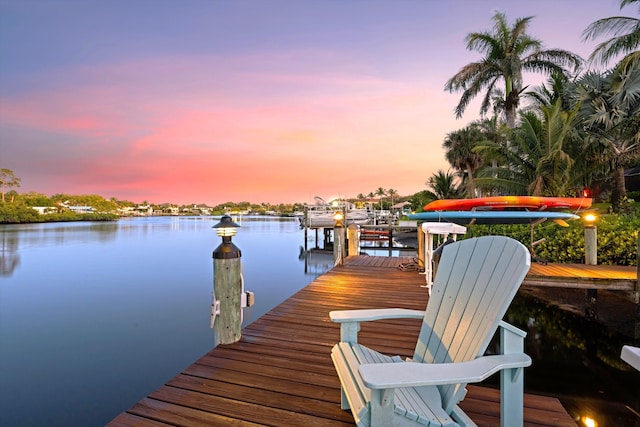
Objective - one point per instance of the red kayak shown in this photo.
(509, 202)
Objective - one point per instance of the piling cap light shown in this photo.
(226, 227)
(338, 218)
(590, 218)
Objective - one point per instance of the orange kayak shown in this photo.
(509, 202)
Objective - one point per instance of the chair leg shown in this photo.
(512, 397)
(381, 405)
(511, 381)
(344, 403)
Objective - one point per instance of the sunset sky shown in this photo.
(208, 101)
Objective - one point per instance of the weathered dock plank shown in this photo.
(280, 373)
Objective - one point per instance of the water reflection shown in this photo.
(578, 360)
(316, 261)
(9, 256)
(95, 316)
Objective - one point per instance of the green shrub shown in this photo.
(18, 213)
(617, 239)
(15, 213)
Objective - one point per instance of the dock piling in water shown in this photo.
(339, 244)
(353, 239)
(226, 310)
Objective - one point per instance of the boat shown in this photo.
(510, 203)
(381, 234)
(321, 214)
(493, 217)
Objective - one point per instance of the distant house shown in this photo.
(80, 209)
(44, 210)
(143, 210)
(126, 211)
(77, 209)
(198, 210)
(167, 209)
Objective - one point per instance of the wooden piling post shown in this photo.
(227, 286)
(591, 258)
(591, 245)
(638, 275)
(421, 247)
(636, 329)
(339, 244)
(353, 239)
(306, 237)
(227, 289)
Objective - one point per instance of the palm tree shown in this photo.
(556, 87)
(559, 89)
(624, 40)
(508, 52)
(381, 192)
(493, 131)
(610, 108)
(443, 185)
(536, 161)
(554, 175)
(392, 193)
(460, 155)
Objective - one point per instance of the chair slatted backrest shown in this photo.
(474, 285)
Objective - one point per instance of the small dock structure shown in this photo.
(280, 372)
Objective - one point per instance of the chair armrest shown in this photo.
(631, 355)
(350, 319)
(375, 314)
(512, 329)
(410, 374)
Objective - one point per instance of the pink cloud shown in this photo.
(186, 129)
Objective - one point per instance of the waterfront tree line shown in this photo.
(617, 233)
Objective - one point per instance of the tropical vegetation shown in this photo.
(617, 239)
(574, 135)
(508, 52)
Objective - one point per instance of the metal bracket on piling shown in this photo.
(247, 299)
(215, 311)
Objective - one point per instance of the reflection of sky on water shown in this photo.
(9, 256)
(94, 316)
(578, 360)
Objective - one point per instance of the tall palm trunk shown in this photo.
(471, 187)
(510, 103)
(618, 189)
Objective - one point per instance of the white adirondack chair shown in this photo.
(475, 283)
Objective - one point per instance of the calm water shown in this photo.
(95, 316)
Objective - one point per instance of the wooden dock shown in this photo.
(588, 277)
(280, 373)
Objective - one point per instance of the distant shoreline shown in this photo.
(66, 217)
